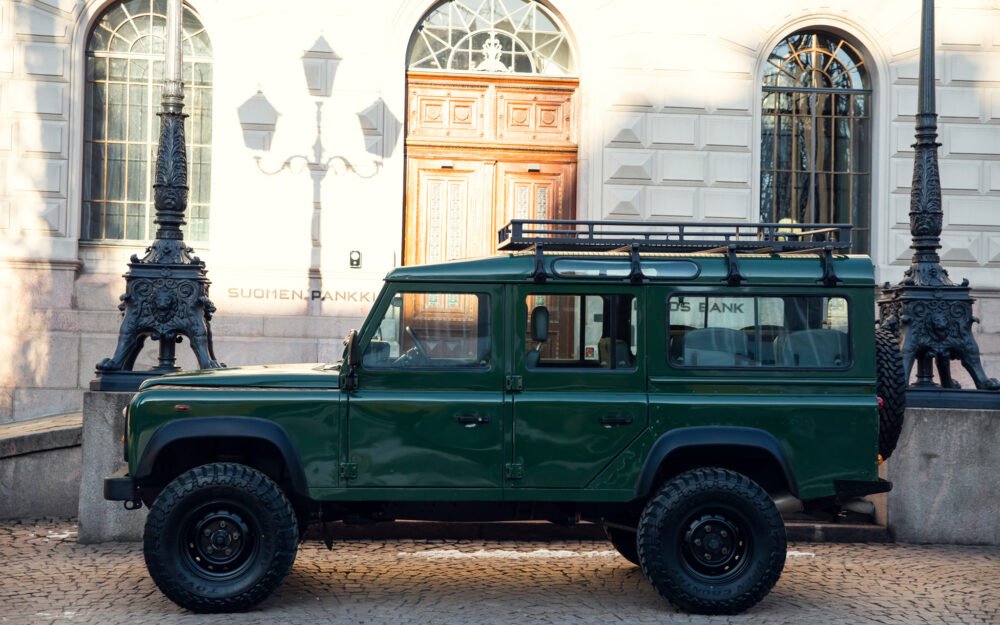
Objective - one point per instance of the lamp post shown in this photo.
(166, 291)
(930, 316)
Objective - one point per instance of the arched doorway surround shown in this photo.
(491, 131)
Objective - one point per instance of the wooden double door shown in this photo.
(480, 153)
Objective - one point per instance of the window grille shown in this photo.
(496, 36)
(816, 134)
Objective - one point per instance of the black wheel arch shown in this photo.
(228, 433)
(751, 451)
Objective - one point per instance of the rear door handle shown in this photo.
(612, 421)
(469, 420)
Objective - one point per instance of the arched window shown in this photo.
(121, 130)
(519, 36)
(816, 134)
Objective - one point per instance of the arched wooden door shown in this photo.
(491, 126)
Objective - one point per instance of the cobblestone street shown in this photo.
(46, 577)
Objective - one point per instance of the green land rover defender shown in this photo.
(668, 381)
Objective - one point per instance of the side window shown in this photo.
(432, 330)
(581, 331)
(787, 331)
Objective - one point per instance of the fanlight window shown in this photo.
(816, 134)
(121, 130)
(500, 36)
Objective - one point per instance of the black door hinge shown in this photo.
(349, 470)
(514, 383)
(514, 470)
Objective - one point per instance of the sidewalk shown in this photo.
(48, 578)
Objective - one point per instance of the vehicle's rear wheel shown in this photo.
(220, 538)
(624, 542)
(712, 542)
(890, 385)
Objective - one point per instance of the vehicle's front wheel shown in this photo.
(712, 542)
(220, 538)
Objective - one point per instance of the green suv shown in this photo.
(668, 381)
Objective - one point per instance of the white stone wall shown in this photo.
(669, 94)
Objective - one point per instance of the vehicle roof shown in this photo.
(790, 269)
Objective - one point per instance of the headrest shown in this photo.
(540, 324)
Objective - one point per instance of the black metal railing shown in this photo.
(665, 236)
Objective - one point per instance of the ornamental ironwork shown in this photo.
(930, 316)
(497, 36)
(166, 291)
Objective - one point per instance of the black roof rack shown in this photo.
(669, 236)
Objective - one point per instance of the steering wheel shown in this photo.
(417, 344)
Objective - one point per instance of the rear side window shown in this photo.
(715, 331)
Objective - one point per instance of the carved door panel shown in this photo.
(535, 191)
(482, 150)
(445, 210)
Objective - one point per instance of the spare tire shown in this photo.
(890, 385)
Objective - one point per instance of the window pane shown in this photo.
(580, 331)
(135, 221)
(743, 332)
(767, 141)
(201, 176)
(99, 102)
(114, 220)
(767, 196)
(118, 69)
(413, 334)
(117, 112)
(116, 172)
(136, 178)
(784, 146)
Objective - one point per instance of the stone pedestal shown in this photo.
(944, 474)
(103, 427)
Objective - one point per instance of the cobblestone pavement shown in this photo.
(46, 577)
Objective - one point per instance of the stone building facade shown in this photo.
(332, 141)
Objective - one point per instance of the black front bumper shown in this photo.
(121, 487)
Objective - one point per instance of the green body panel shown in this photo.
(312, 418)
(403, 424)
(557, 435)
(413, 438)
(539, 437)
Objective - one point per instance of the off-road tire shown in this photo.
(890, 385)
(220, 538)
(717, 509)
(624, 543)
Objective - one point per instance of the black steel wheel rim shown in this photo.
(220, 540)
(715, 543)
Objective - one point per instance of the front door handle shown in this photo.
(469, 420)
(612, 421)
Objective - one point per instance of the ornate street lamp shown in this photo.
(930, 316)
(166, 291)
